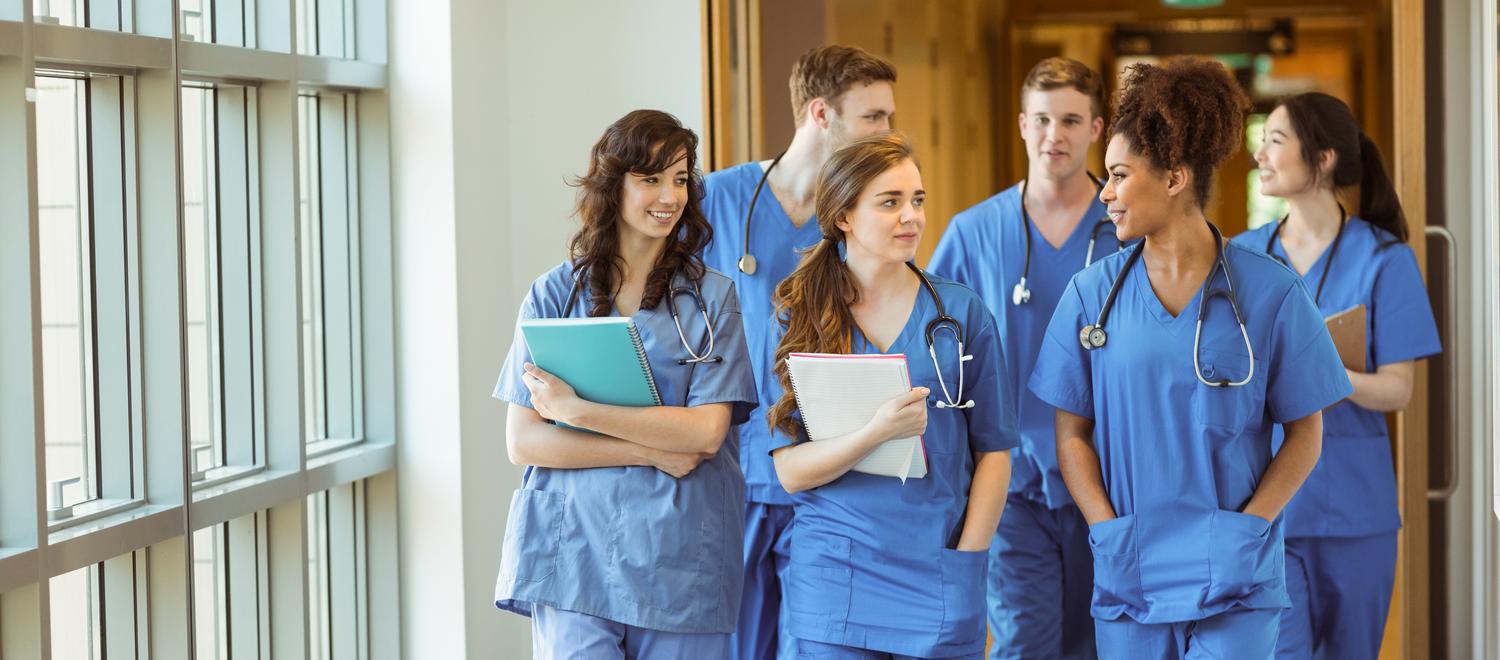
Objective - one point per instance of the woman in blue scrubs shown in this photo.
(1341, 526)
(1169, 364)
(626, 544)
(881, 568)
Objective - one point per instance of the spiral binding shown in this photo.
(640, 354)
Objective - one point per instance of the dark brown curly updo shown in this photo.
(1187, 112)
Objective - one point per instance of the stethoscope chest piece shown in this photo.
(1020, 295)
(1092, 337)
(747, 264)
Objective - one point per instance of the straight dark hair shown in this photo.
(1324, 123)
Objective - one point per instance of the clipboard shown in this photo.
(1348, 331)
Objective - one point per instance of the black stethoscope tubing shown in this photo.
(1332, 250)
(747, 263)
(1020, 294)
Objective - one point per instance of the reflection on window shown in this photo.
(61, 12)
(1263, 209)
(67, 288)
(77, 628)
(318, 578)
(197, 21)
(201, 265)
(210, 592)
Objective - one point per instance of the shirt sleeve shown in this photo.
(1304, 370)
(1402, 325)
(510, 386)
(1063, 376)
(731, 380)
(949, 259)
(992, 420)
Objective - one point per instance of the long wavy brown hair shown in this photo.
(813, 302)
(643, 142)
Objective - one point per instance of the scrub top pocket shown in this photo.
(963, 594)
(820, 577)
(1226, 408)
(653, 562)
(533, 534)
(1243, 555)
(1117, 569)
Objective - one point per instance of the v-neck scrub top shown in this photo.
(634, 544)
(984, 247)
(1352, 491)
(873, 564)
(1181, 459)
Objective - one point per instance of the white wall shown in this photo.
(494, 105)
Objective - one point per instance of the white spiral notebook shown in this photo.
(838, 394)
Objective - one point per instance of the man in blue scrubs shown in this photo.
(1019, 254)
(839, 94)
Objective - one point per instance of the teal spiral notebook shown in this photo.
(602, 358)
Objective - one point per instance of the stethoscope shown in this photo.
(1020, 294)
(1093, 336)
(936, 325)
(696, 293)
(747, 260)
(1332, 250)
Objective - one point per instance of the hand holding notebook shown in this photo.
(839, 394)
(601, 358)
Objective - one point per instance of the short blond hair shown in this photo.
(827, 72)
(1062, 72)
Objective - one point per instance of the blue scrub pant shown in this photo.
(767, 552)
(1341, 593)
(821, 651)
(1041, 580)
(563, 635)
(1236, 635)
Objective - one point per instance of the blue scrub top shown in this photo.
(634, 544)
(872, 563)
(985, 248)
(1352, 491)
(776, 244)
(1179, 458)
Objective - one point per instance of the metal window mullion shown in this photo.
(352, 245)
(235, 241)
(87, 350)
(257, 449)
(132, 288)
(337, 296)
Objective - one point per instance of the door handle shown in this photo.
(1450, 466)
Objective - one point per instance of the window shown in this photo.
(330, 267)
(77, 626)
(211, 592)
(1263, 209)
(220, 239)
(326, 28)
(83, 243)
(81, 13)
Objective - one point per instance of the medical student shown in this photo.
(625, 544)
(1341, 526)
(762, 214)
(1018, 250)
(882, 568)
(1169, 363)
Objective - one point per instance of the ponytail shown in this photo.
(1378, 203)
(813, 305)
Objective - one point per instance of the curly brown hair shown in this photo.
(1187, 112)
(813, 302)
(642, 142)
